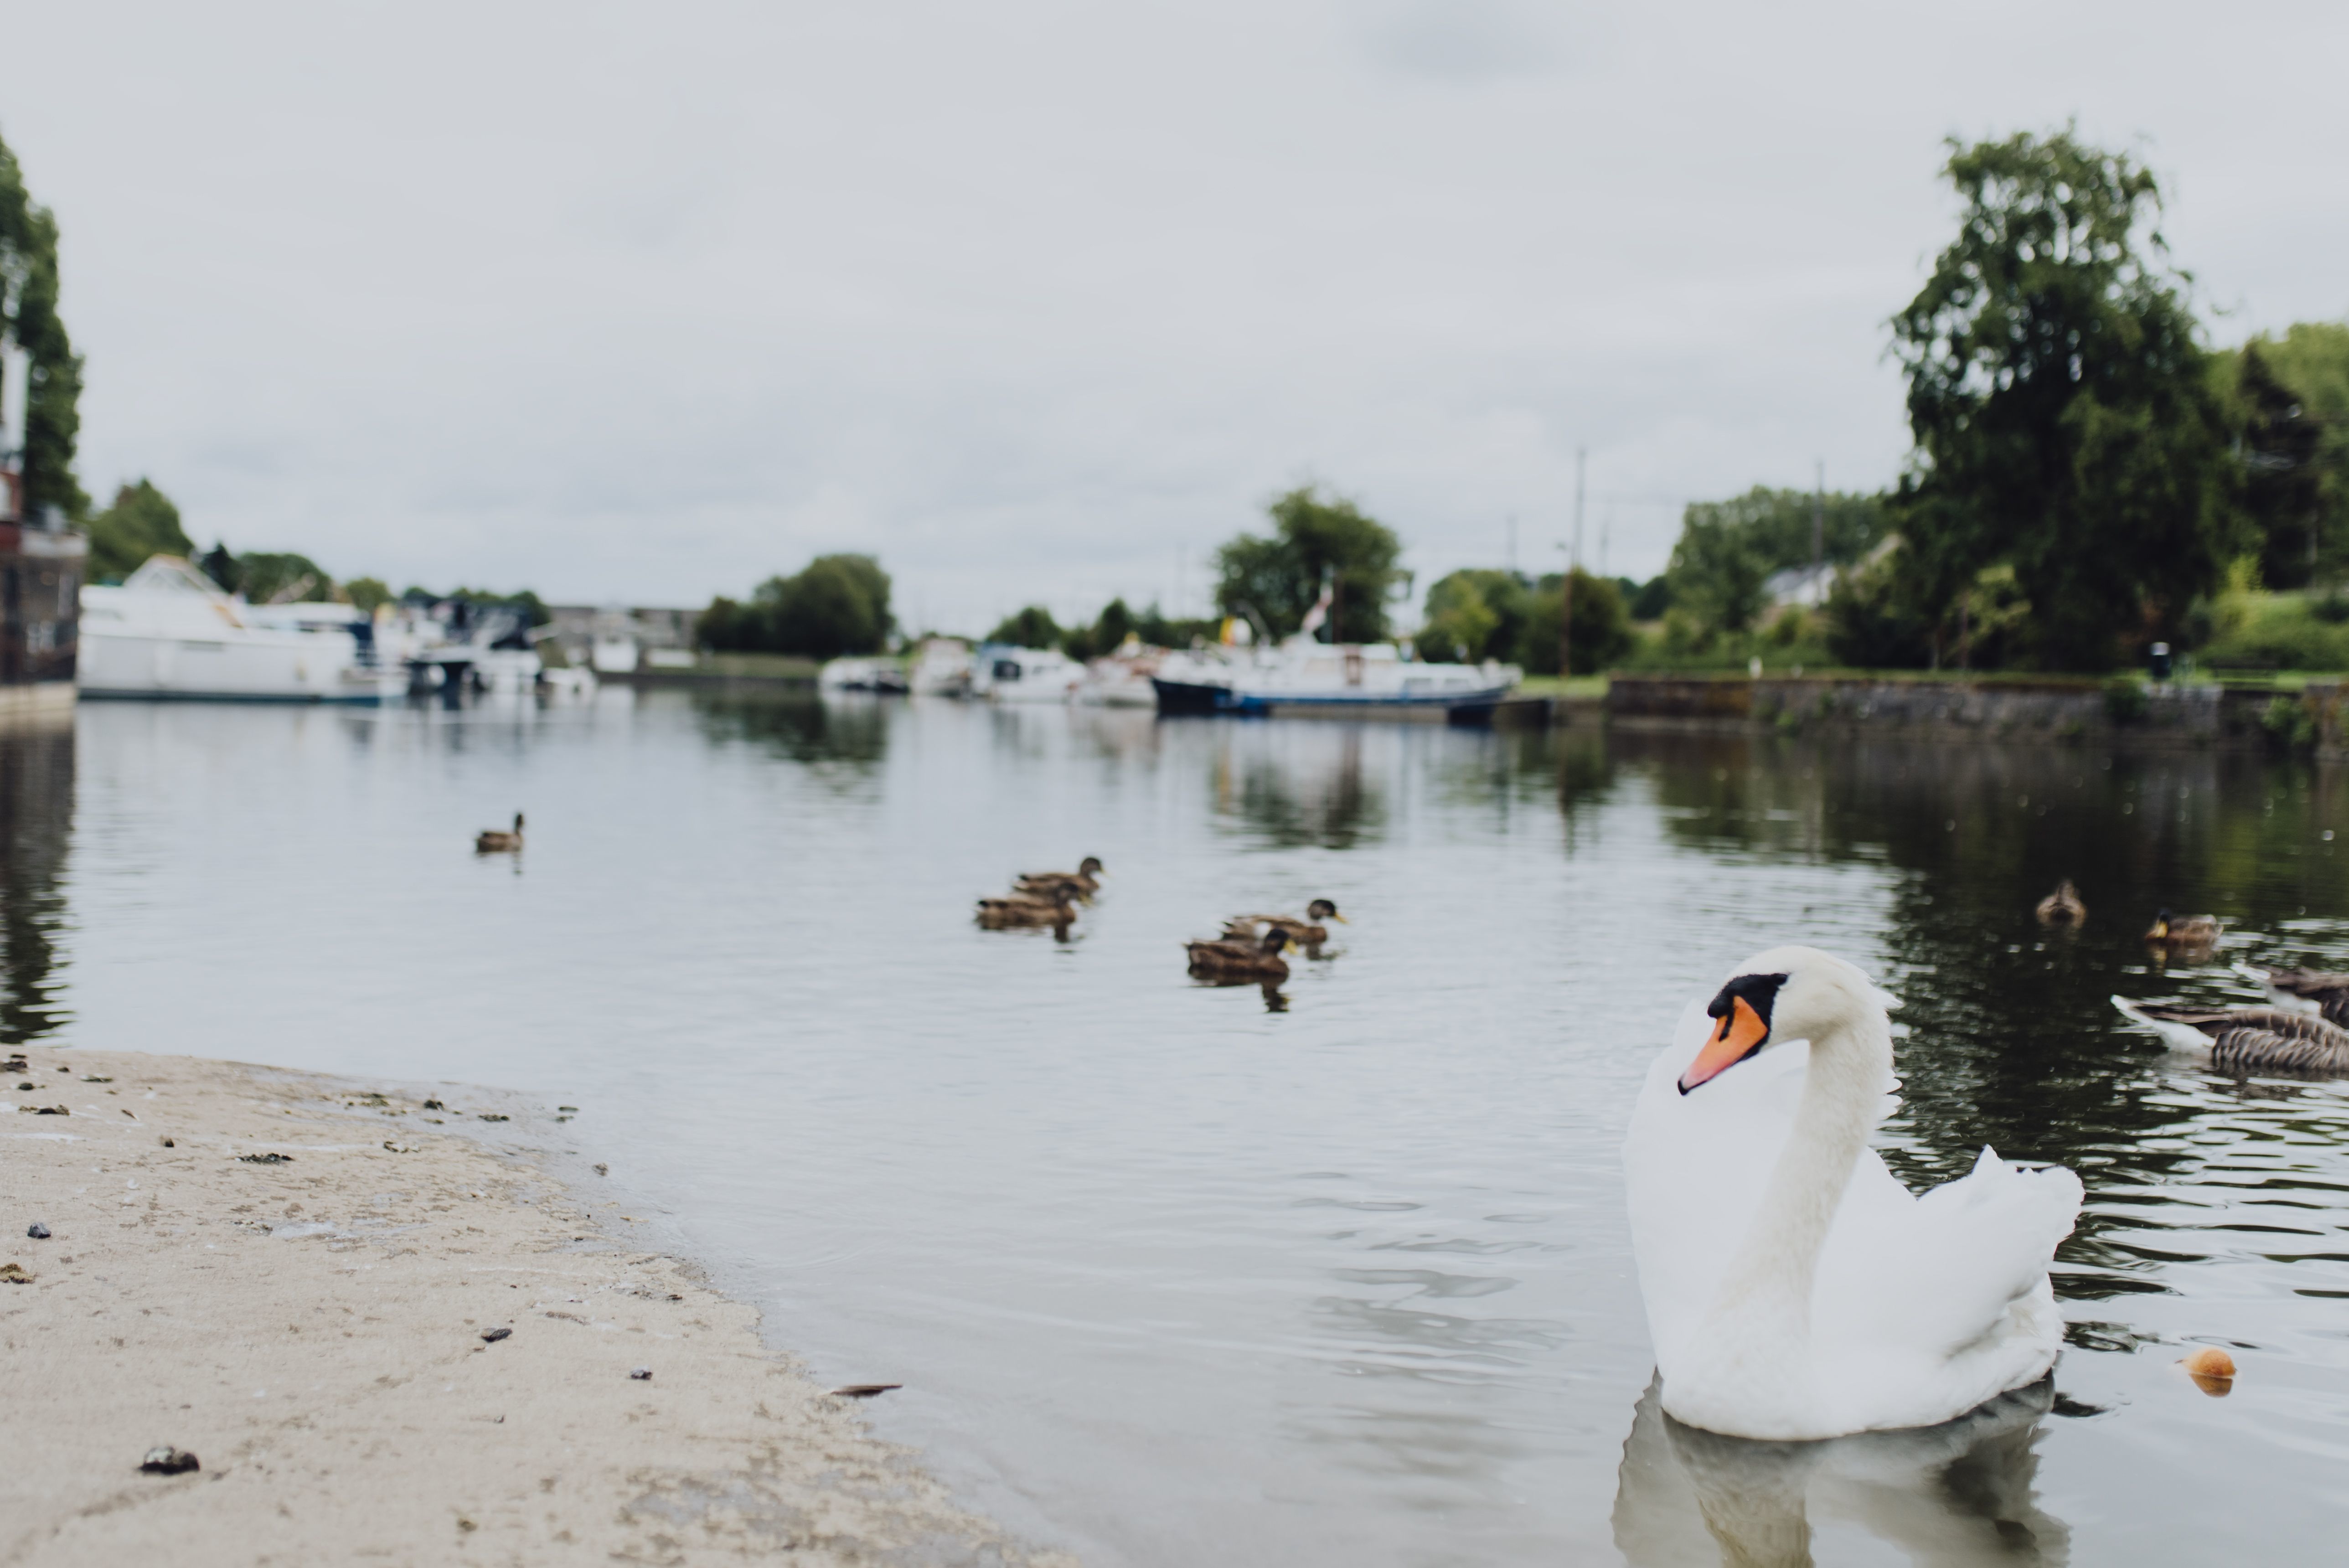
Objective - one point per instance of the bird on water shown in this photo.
(1084, 882)
(2063, 907)
(494, 842)
(2248, 1040)
(1795, 1288)
(1307, 933)
(1241, 960)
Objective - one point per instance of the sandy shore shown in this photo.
(314, 1332)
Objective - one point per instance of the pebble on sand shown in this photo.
(495, 1335)
(38, 1231)
(165, 1459)
(862, 1390)
(641, 1374)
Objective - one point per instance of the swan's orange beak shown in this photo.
(1740, 1035)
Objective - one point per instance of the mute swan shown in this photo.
(2248, 1040)
(1306, 932)
(1795, 1288)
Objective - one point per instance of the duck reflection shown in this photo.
(1952, 1496)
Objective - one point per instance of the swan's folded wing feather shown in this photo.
(1935, 1280)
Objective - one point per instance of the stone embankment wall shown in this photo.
(2111, 713)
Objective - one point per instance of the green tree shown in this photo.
(1033, 627)
(267, 576)
(838, 604)
(1109, 629)
(141, 522)
(1729, 548)
(29, 319)
(367, 593)
(2065, 418)
(1602, 634)
(1315, 541)
(2291, 397)
(1464, 615)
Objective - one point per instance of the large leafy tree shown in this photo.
(29, 319)
(836, 604)
(2292, 397)
(2064, 418)
(141, 522)
(1729, 548)
(1316, 540)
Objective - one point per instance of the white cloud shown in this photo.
(1038, 300)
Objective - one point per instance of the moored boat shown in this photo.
(1303, 677)
(168, 631)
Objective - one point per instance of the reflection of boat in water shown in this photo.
(168, 631)
(1303, 677)
(1959, 1495)
(876, 676)
(1123, 678)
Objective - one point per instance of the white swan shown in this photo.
(1795, 1288)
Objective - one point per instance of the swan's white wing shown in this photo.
(1945, 1296)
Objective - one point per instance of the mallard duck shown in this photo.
(1084, 882)
(2063, 907)
(1306, 932)
(491, 841)
(2247, 1039)
(998, 913)
(2184, 930)
(1241, 960)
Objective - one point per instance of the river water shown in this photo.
(1178, 1275)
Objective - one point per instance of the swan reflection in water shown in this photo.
(1952, 1496)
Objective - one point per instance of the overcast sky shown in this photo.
(1041, 300)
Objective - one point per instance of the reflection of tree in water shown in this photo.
(2013, 1041)
(1326, 803)
(803, 728)
(36, 800)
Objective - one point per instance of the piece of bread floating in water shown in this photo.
(2213, 1369)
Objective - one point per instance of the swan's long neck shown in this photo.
(1763, 1312)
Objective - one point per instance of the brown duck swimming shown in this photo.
(1083, 883)
(1241, 960)
(2248, 1040)
(2183, 930)
(491, 841)
(1307, 933)
(2063, 907)
(1008, 913)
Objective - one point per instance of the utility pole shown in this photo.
(1819, 522)
(1566, 583)
(1513, 544)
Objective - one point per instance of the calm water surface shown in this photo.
(1181, 1275)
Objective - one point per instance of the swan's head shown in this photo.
(1785, 994)
(1322, 909)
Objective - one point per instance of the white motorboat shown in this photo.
(1123, 678)
(168, 632)
(1305, 676)
(1006, 674)
(880, 676)
(942, 668)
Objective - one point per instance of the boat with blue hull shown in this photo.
(1345, 680)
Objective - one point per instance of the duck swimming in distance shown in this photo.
(1306, 932)
(2247, 1039)
(2063, 907)
(1240, 960)
(1795, 1288)
(1084, 882)
(2183, 930)
(492, 842)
